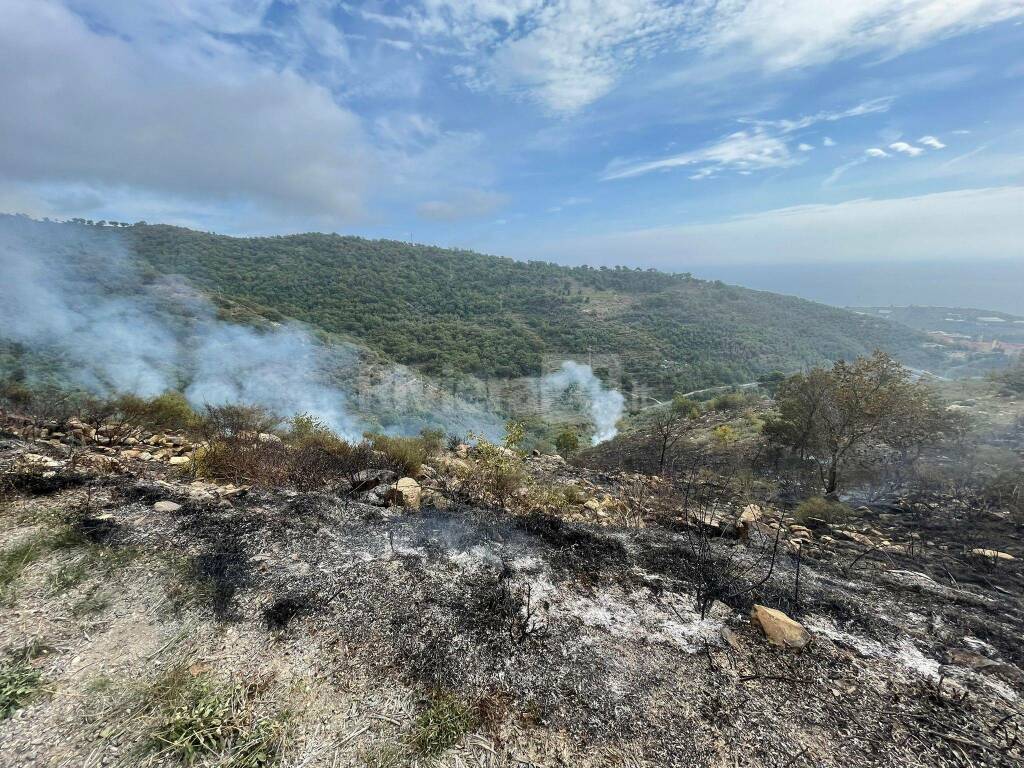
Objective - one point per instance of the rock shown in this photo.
(166, 506)
(371, 478)
(38, 460)
(266, 437)
(779, 629)
(800, 532)
(178, 461)
(732, 639)
(992, 554)
(405, 493)
(435, 500)
(752, 513)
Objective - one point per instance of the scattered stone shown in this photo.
(779, 629)
(166, 506)
(178, 461)
(992, 554)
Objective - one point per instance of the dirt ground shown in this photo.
(348, 634)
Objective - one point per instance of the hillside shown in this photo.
(983, 325)
(465, 312)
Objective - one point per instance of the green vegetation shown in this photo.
(819, 508)
(19, 682)
(854, 411)
(200, 718)
(17, 558)
(567, 442)
(454, 311)
(441, 725)
(167, 411)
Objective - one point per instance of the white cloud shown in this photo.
(977, 223)
(566, 54)
(787, 34)
(752, 150)
(208, 124)
(876, 152)
(828, 142)
(805, 147)
(931, 141)
(906, 149)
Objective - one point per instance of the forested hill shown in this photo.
(458, 310)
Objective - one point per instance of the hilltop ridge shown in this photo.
(457, 311)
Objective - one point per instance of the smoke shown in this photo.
(76, 294)
(605, 405)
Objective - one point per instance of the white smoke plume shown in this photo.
(75, 293)
(605, 405)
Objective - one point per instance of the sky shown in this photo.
(705, 136)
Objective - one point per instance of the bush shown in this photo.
(167, 411)
(731, 401)
(819, 508)
(496, 472)
(404, 455)
(567, 442)
(433, 440)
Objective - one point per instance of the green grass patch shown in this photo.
(19, 682)
(442, 725)
(19, 556)
(199, 718)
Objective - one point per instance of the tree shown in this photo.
(671, 424)
(833, 416)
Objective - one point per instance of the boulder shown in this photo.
(405, 493)
(371, 478)
(779, 629)
(752, 513)
(166, 506)
(178, 461)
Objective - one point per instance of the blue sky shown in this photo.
(675, 135)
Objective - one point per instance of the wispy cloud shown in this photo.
(931, 141)
(764, 146)
(743, 151)
(789, 126)
(566, 54)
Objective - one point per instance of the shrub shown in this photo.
(819, 508)
(433, 440)
(515, 433)
(731, 401)
(404, 455)
(567, 442)
(496, 472)
(223, 422)
(167, 411)
(724, 435)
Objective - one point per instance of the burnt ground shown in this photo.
(567, 642)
